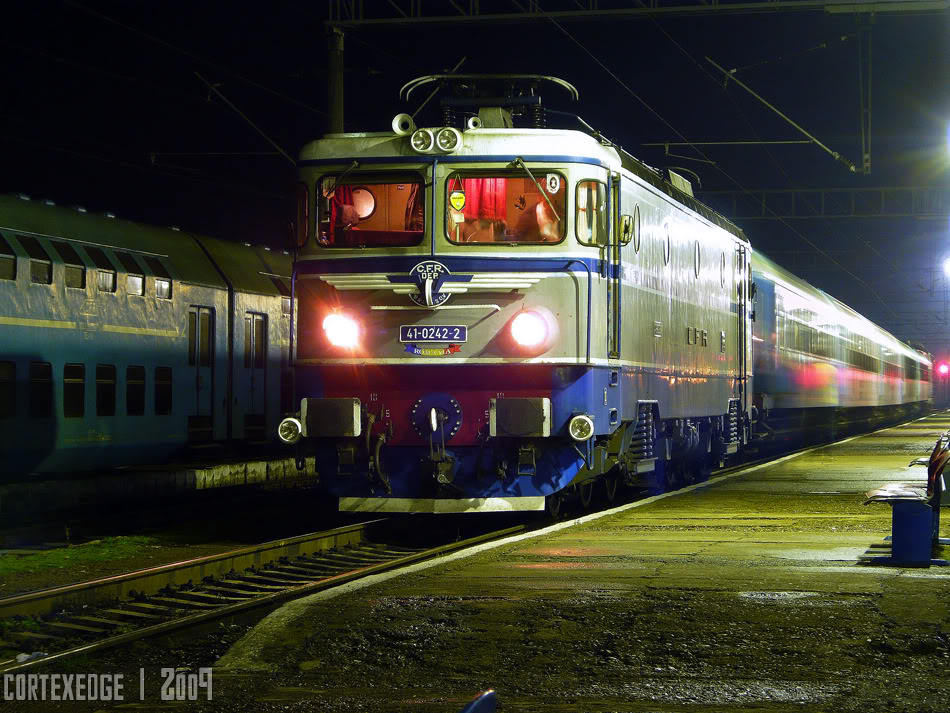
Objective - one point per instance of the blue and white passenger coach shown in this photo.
(492, 316)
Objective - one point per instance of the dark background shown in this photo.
(102, 108)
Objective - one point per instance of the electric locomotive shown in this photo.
(489, 317)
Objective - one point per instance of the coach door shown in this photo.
(201, 360)
(255, 361)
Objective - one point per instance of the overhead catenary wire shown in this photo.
(194, 56)
(243, 116)
(701, 153)
(145, 168)
(779, 166)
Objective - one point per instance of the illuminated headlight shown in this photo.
(529, 329)
(448, 139)
(581, 427)
(422, 140)
(341, 330)
(289, 430)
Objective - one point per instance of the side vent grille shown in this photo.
(732, 424)
(641, 446)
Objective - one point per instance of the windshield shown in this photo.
(369, 211)
(505, 208)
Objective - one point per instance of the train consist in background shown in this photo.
(491, 317)
(121, 344)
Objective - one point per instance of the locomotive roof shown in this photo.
(558, 144)
(180, 250)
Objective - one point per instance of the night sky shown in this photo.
(102, 107)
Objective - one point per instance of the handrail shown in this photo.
(590, 290)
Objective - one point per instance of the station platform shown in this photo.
(752, 592)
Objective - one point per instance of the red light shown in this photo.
(944, 368)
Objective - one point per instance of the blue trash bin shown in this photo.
(911, 532)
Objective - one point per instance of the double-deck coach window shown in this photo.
(163, 390)
(163, 281)
(135, 390)
(7, 389)
(41, 267)
(74, 390)
(41, 389)
(105, 270)
(135, 278)
(7, 261)
(591, 213)
(105, 390)
(75, 269)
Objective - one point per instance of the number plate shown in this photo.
(433, 334)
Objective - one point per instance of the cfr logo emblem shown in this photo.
(428, 277)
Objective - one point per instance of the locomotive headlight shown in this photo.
(341, 330)
(581, 427)
(289, 430)
(422, 140)
(448, 139)
(529, 329)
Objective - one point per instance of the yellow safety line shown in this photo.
(140, 330)
(26, 322)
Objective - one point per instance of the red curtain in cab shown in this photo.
(485, 198)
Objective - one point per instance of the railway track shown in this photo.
(93, 616)
(100, 614)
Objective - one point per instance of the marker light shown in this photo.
(422, 140)
(529, 329)
(341, 330)
(581, 427)
(448, 139)
(289, 430)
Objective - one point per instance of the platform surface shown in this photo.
(750, 593)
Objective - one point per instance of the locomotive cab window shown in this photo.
(365, 211)
(591, 213)
(505, 208)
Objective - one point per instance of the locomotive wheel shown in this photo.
(553, 504)
(586, 492)
(611, 486)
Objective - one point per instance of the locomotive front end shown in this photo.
(442, 341)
